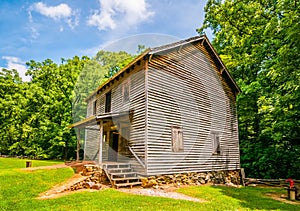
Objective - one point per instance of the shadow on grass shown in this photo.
(256, 198)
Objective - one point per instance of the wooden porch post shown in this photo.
(78, 144)
(100, 142)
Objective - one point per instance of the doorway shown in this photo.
(113, 147)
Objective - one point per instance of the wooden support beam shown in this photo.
(100, 142)
(78, 144)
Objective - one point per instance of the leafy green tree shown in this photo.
(53, 86)
(259, 43)
(12, 105)
(35, 115)
(112, 62)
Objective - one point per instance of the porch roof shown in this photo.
(95, 119)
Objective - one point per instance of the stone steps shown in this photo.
(131, 184)
(121, 175)
(119, 170)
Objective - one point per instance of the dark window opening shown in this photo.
(108, 102)
(95, 107)
(216, 144)
(177, 139)
(126, 91)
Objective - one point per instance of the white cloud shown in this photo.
(17, 64)
(34, 32)
(57, 13)
(119, 13)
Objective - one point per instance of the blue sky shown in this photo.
(55, 29)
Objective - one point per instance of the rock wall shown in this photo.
(95, 178)
(230, 178)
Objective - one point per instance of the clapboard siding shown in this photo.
(181, 86)
(91, 144)
(90, 106)
(136, 79)
(187, 90)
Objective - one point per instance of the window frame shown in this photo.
(95, 107)
(177, 139)
(108, 107)
(126, 91)
(216, 143)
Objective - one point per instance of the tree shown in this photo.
(112, 62)
(259, 43)
(12, 104)
(35, 115)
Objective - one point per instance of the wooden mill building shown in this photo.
(171, 110)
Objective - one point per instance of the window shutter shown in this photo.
(177, 139)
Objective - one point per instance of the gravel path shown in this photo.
(161, 193)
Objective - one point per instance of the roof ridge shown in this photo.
(175, 44)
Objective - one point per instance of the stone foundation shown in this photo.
(230, 178)
(96, 177)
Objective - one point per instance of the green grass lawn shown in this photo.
(19, 189)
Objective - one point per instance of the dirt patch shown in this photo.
(77, 166)
(59, 190)
(282, 198)
(46, 167)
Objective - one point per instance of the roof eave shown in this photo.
(144, 53)
(237, 88)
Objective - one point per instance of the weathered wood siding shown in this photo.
(90, 105)
(91, 144)
(92, 135)
(186, 90)
(136, 79)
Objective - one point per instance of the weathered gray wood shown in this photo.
(78, 144)
(181, 85)
(100, 142)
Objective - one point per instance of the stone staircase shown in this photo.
(121, 175)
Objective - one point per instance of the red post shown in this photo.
(289, 180)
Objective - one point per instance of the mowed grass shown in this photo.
(19, 189)
(244, 198)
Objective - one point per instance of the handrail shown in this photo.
(136, 157)
(104, 167)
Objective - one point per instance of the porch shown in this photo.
(107, 140)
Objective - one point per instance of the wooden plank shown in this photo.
(100, 142)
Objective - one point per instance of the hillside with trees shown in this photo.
(34, 115)
(259, 42)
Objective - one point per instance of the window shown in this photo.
(177, 139)
(126, 91)
(216, 143)
(95, 107)
(108, 102)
